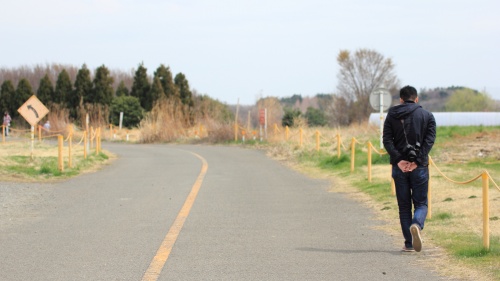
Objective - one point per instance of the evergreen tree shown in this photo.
(83, 88)
(103, 86)
(63, 88)
(315, 117)
(23, 93)
(185, 93)
(7, 93)
(45, 91)
(291, 101)
(141, 88)
(289, 116)
(131, 108)
(122, 90)
(167, 82)
(157, 90)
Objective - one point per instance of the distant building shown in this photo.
(455, 118)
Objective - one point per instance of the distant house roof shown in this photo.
(456, 118)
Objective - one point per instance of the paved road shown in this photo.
(253, 219)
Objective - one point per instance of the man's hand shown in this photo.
(407, 166)
(404, 165)
(412, 166)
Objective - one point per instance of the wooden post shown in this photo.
(90, 137)
(429, 193)
(98, 141)
(486, 211)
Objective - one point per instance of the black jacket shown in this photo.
(419, 125)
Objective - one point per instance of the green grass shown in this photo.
(486, 163)
(47, 167)
(462, 246)
(469, 247)
(442, 216)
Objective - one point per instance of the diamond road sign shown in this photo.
(33, 110)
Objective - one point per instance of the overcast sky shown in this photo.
(233, 49)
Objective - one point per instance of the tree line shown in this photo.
(100, 91)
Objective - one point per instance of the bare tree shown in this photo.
(360, 74)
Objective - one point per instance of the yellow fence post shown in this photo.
(486, 211)
(98, 140)
(91, 138)
(287, 132)
(39, 133)
(353, 153)
(429, 192)
(60, 163)
(369, 162)
(338, 146)
(317, 140)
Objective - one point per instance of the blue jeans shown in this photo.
(411, 187)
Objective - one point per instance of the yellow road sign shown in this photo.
(33, 110)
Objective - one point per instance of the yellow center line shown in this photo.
(159, 260)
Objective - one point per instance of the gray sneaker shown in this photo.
(416, 239)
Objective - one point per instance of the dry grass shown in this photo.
(15, 148)
(462, 203)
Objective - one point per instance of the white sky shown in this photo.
(245, 49)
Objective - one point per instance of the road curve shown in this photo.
(252, 219)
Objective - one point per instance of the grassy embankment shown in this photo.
(456, 226)
(17, 163)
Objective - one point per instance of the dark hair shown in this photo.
(408, 93)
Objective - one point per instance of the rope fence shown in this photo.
(318, 138)
(64, 139)
(93, 137)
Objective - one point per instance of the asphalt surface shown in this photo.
(253, 219)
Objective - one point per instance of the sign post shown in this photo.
(262, 121)
(33, 111)
(380, 99)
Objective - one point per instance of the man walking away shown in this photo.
(409, 134)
